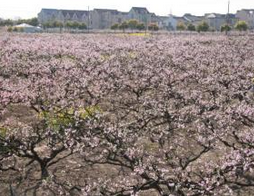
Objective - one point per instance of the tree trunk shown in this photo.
(44, 171)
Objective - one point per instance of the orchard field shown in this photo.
(102, 115)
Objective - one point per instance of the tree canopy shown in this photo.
(241, 26)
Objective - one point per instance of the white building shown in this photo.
(28, 28)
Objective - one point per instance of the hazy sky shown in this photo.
(30, 8)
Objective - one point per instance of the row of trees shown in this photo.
(203, 27)
(135, 25)
(240, 26)
(9, 22)
(190, 27)
(68, 25)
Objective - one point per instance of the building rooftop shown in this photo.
(192, 18)
(107, 10)
(140, 10)
(79, 13)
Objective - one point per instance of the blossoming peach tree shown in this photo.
(107, 115)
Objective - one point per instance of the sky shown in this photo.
(30, 8)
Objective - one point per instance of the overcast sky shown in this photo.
(30, 8)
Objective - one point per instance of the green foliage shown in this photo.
(241, 26)
(132, 24)
(7, 22)
(58, 118)
(141, 26)
(203, 27)
(32, 21)
(82, 26)
(123, 25)
(69, 25)
(57, 24)
(191, 27)
(75, 25)
(225, 28)
(181, 26)
(46, 25)
(3, 131)
(114, 26)
(153, 27)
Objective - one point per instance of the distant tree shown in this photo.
(69, 25)
(203, 26)
(7, 22)
(191, 27)
(31, 21)
(34, 22)
(241, 26)
(132, 24)
(225, 28)
(82, 26)
(181, 26)
(75, 25)
(123, 25)
(57, 24)
(141, 26)
(47, 25)
(153, 27)
(114, 26)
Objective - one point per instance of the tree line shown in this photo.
(204, 27)
(10, 22)
(130, 24)
(68, 25)
(135, 25)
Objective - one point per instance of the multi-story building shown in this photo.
(51, 15)
(97, 18)
(195, 20)
(141, 14)
(105, 18)
(246, 15)
(215, 21)
(168, 22)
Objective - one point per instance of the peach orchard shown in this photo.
(126, 115)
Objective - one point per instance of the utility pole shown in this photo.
(228, 6)
(228, 18)
(228, 12)
(88, 25)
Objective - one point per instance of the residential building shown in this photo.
(47, 15)
(215, 21)
(105, 18)
(28, 28)
(181, 19)
(51, 15)
(168, 22)
(246, 15)
(141, 14)
(195, 20)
